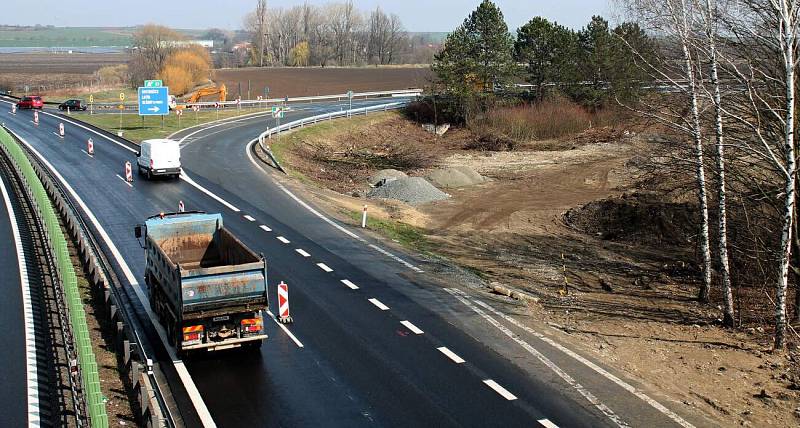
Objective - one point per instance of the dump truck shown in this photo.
(208, 289)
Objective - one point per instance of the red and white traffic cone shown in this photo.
(61, 130)
(90, 147)
(35, 117)
(128, 172)
(181, 207)
(283, 303)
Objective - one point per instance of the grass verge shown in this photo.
(136, 128)
(408, 236)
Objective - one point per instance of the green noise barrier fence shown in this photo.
(66, 273)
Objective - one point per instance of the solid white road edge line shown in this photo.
(348, 283)
(324, 267)
(378, 303)
(180, 368)
(285, 329)
(500, 390)
(546, 361)
(414, 329)
(547, 424)
(282, 239)
(31, 370)
(192, 183)
(450, 354)
(265, 228)
(329, 221)
(302, 252)
(624, 385)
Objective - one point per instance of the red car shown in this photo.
(31, 102)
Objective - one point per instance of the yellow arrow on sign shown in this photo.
(122, 96)
(91, 99)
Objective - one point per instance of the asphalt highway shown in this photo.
(375, 340)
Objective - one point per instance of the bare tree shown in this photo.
(674, 20)
(261, 18)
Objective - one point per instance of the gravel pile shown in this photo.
(460, 176)
(378, 178)
(412, 190)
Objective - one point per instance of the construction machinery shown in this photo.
(220, 90)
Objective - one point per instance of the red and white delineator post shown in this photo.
(128, 172)
(61, 130)
(13, 109)
(35, 117)
(90, 147)
(283, 303)
(181, 207)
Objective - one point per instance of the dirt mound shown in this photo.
(638, 217)
(378, 178)
(412, 190)
(460, 176)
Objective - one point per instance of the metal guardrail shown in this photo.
(87, 364)
(316, 119)
(274, 101)
(135, 359)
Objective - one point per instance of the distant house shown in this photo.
(242, 46)
(208, 44)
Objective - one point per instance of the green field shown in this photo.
(46, 37)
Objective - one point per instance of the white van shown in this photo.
(159, 158)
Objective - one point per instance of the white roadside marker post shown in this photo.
(128, 172)
(13, 109)
(61, 130)
(36, 118)
(90, 147)
(364, 218)
(181, 207)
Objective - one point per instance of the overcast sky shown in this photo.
(417, 15)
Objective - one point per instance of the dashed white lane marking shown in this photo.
(302, 252)
(324, 267)
(125, 181)
(87, 153)
(500, 390)
(450, 354)
(265, 228)
(547, 424)
(624, 385)
(414, 329)
(546, 361)
(249, 218)
(282, 239)
(378, 303)
(31, 370)
(180, 367)
(285, 329)
(58, 135)
(248, 150)
(348, 283)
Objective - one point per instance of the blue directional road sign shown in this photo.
(154, 101)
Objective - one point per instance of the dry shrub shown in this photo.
(194, 62)
(552, 118)
(179, 80)
(113, 74)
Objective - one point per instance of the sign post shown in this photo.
(121, 107)
(91, 104)
(278, 113)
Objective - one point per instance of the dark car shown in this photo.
(31, 102)
(72, 105)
